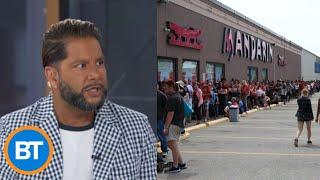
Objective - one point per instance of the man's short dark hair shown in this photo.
(54, 40)
(169, 83)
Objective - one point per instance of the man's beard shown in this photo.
(77, 99)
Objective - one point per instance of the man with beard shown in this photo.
(93, 138)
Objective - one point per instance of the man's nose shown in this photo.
(93, 73)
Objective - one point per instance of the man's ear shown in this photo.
(52, 77)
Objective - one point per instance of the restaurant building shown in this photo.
(206, 40)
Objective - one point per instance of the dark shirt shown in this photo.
(175, 104)
(161, 105)
(304, 112)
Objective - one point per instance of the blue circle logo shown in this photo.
(28, 150)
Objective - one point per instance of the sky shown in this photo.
(297, 20)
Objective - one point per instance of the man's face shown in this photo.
(166, 88)
(82, 75)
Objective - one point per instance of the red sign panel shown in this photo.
(185, 37)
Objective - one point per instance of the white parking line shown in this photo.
(247, 138)
(254, 153)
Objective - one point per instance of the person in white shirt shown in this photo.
(260, 95)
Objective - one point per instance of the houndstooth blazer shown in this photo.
(124, 143)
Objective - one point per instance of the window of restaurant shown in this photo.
(218, 71)
(166, 69)
(210, 71)
(214, 71)
(190, 70)
(252, 74)
(264, 74)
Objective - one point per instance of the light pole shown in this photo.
(274, 65)
(284, 52)
(274, 72)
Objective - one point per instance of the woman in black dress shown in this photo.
(304, 114)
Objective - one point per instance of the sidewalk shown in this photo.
(213, 122)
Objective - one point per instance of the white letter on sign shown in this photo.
(25, 150)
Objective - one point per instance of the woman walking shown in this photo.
(304, 114)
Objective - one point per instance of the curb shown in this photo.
(252, 111)
(217, 122)
(207, 124)
(195, 127)
(262, 109)
(223, 120)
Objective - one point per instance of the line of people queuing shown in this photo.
(209, 101)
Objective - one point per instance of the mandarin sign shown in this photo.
(244, 45)
(184, 37)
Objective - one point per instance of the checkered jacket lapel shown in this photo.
(44, 118)
(106, 141)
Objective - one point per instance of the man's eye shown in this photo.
(99, 63)
(81, 66)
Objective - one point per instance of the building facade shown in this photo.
(310, 66)
(205, 40)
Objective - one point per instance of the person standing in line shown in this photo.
(245, 92)
(206, 92)
(284, 92)
(213, 113)
(304, 115)
(222, 95)
(173, 124)
(197, 102)
(161, 105)
(190, 92)
(260, 96)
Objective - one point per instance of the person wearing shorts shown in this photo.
(173, 124)
(304, 115)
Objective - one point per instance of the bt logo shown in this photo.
(28, 150)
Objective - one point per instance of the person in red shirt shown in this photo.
(206, 91)
(253, 95)
(222, 95)
(245, 92)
